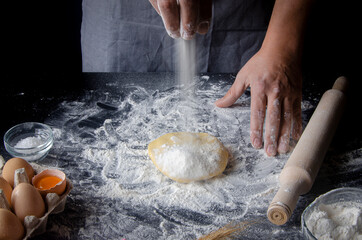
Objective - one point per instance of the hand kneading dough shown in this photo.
(186, 157)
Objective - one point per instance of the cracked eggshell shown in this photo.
(10, 226)
(5, 186)
(15, 163)
(26, 200)
(58, 188)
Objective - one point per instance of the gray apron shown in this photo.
(129, 36)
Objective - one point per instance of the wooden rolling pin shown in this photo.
(300, 171)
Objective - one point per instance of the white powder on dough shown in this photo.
(191, 161)
(339, 221)
(29, 142)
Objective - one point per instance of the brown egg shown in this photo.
(5, 186)
(10, 226)
(50, 181)
(15, 163)
(26, 200)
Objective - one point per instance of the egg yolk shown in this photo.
(47, 182)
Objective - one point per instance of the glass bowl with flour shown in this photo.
(30, 141)
(336, 214)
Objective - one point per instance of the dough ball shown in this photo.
(186, 157)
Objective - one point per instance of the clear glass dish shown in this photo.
(339, 195)
(30, 141)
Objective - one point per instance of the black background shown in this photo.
(41, 36)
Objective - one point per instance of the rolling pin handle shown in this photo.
(341, 84)
(279, 213)
(299, 172)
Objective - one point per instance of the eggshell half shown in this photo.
(59, 188)
(5, 186)
(10, 226)
(15, 163)
(26, 201)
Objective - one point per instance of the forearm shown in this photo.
(286, 29)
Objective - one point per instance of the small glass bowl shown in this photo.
(346, 194)
(30, 141)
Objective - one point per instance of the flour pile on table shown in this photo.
(118, 184)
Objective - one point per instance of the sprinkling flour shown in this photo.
(338, 221)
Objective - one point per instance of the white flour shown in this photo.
(201, 207)
(338, 221)
(189, 160)
(186, 77)
(123, 195)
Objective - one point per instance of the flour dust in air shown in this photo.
(186, 76)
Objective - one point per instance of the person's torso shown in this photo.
(129, 36)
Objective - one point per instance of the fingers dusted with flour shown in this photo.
(257, 117)
(234, 93)
(272, 125)
(184, 18)
(286, 126)
(169, 12)
(189, 13)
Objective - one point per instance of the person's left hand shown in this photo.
(184, 18)
(276, 91)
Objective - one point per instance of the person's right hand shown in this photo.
(184, 18)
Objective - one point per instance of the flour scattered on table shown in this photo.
(105, 150)
(114, 142)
